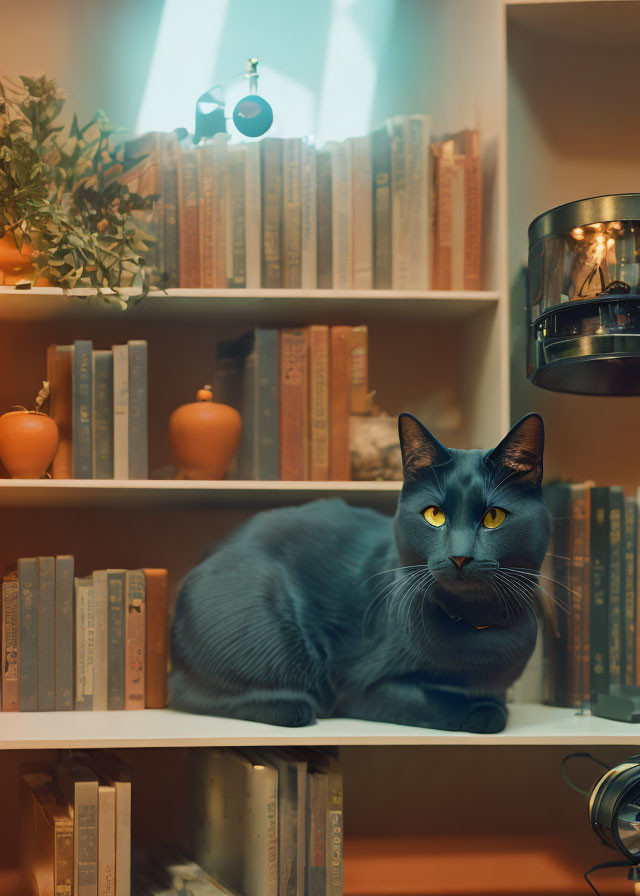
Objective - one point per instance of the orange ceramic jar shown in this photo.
(28, 443)
(204, 437)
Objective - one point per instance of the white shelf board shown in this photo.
(185, 493)
(529, 724)
(264, 305)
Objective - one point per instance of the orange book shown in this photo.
(188, 218)
(339, 389)
(319, 402)
(294, 404)
(358, 403)
(10, 644)
(157, 612)
(468, 143)
(442, 228)
(59, 375)
(135, 638)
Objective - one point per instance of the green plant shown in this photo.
(65, 193)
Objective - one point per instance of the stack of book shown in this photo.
(295, 390)
(591, 574)
(98, 398)
(88, 643)
(75, 827)
(388, 210)
(268, 821)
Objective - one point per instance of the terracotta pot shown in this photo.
(28, 443)
(204, 437)
(15, 264)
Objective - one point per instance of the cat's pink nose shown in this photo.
(461, 561)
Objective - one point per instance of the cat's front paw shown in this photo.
(486, 717)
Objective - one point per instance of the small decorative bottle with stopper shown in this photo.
(204, 437)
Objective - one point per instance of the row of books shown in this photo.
(75, 827)
(269, 821)
(295, 390)
(98, 398)
(388, 210)
(591, 575)
(95, 642)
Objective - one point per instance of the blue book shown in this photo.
(46, 634)
(103, 415)
(28, 592)
(82, 415)
(138, 438)
(64, 632)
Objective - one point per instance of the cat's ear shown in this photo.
(521, 451)
(420, 450)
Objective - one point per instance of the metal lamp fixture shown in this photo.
(252, 115)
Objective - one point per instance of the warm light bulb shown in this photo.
(577, 233)
(610, 242)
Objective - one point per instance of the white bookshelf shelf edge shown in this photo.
(529, 724)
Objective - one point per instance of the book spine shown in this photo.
(443, 219)
(135, 627)
(418, 135)
(325, 218)
(86, 822)
(616, 517)
(271, 170)
(82, 409)
(169, 157)
(120, 411)
(115, 638)
(247, 457)
(106, 840)
(342, 215)
(473, 212)
(10, 644)
(64, 632)
(335, 834)
(359, 367)
(61, 385)
(586, 602)
(381, 180)
(138, 438)
(145, 178)
(599, 671)
(28, 585)
(293, 404)
(291, 213)
(362, 213)
(457, 222)
(339, 382)
(319, 401)
(100, 599)
(85, 643)
(157, 620)
(630, 584)
(400, 261)
(221, 186)
(253, 216)
(102, 415)
(577, 560)
(46, 634)
(309, 216)
(63, 858)
(236, 255)
(317, 808)
(206, 215)
(555, 568)
(267, 403)
(188, 219)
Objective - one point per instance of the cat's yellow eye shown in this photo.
(493, 518)
(434, 516)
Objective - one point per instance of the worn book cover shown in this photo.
(294, 404)
(271, 175)
(85, 643)
(339, 391)
(599, 628)
(138, 410)
(106, 840)
(79, 788)
(253, 216)
(221, 206)
(135, 627)
(64, 637)
(188, 224)
(28, 633)
(206, 215)
(120, 411)
(616, 584)
(575, 563)
(236, 246)
(157, 638)
(169, 160)
(325, 219)
(362, 212)
(556, 664)
(82, 409)
(291, 213)
(100, 675)
(102, 414)
(319, 401)
(292, 819)
(46, 634)
(381, 182)
(630, 586)
(10, 643)
(359, 370)
(115, 773)
(309, 215)
(317, 809)
(342, 213)
(468, 143)
(115, 638)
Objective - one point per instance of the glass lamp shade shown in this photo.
(583, 305)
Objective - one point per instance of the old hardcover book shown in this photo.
(616, 587)
(468, 143)
(271, 171)
(46, 634)
(291, 213)
(169, 159)
(359, 366)
(221, 205)
(319, 402)
(85, 643)
(599, 628)
(294, 404)
(335, 831)
(79, 788)
(115, 638)
(120, 411)
(557, 497)
(135, 627)
(100, 674)
(317, 809)
(64, 632)
(10, 643)
(102, 414)
(362, 212)
(28, 650)
(206, 215)
(585, 640)
(325, 220)
(234, 819)
(577, 559)
(630, 558)
(60, 376)
(253, 216)
(400, 260)
(457, 222)
(292, 819)
(381, 212)
(236, 247)
(188, 224)
(138, 409)
(82, 409)
(157, 640)
(339, 383)
(418, 184)
(309, 215)
(46, 838)
(442, 236)
(342, 213)
(113, 772)
(106, 840)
